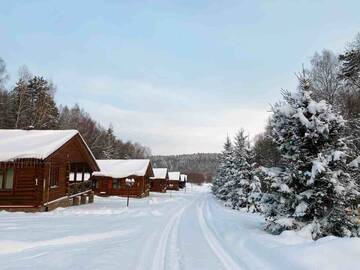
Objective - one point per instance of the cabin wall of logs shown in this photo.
(64, 178)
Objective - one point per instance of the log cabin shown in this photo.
(111, 179)
(174, 181)
(159, 182)
(183, 180)
(43, 169)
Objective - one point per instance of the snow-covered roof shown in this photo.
(160, 173)
(34, 144)
(121, 168)
(174, 175)
(183, 177)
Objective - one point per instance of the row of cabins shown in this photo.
(44, 169)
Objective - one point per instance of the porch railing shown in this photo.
(79, 187)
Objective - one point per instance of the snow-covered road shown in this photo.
(165, 231)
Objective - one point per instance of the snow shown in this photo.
(318, 166)
(317, 107)
(286, 110)
(355, 163)
(300, 115)
(183, 177)
(175, 176)
(121, 168)
(160, 173)
(35, 144)
(300, 210)
(338, 155)
(181, 230)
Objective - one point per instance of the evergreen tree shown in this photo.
(315, 187)
(254, 200)
(34, 104)
(240, 184)
(6, 110)
(44, 112)
(21, 101)
(108, 150)
(224, 173)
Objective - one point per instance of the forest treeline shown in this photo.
(30, 104)
(199, 167)
(303, 171)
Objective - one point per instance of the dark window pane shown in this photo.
(9, 183)
(1, 178)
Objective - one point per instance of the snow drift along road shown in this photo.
(185, 231)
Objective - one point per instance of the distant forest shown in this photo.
(199, 167)
(31, 103)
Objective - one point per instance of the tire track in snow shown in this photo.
(248, 259)
(169, 236)
(226, 260)
(143, 261)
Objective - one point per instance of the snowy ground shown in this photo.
(179, 231)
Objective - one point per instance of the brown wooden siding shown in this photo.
(158, 185)
(27, 173)
(24, 191)
(173, 185)
(104, 187)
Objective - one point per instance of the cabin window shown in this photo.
(6, 178)
(54, 177)
(116, 184)
(79, 176)
(87, 176)
(1, 178)
(9, 183)
(96, 184)
(79, 172)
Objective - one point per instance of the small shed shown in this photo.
(174, 181)
(43, 169)
(159, 182)
(111, 179)
(183, 180)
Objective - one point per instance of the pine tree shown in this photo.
(224, 173)
(21, 99)
(240, 185)
(254, 201)
(6, 110)
(315, 187)
(44, 112)
(108, 150)
(34, 104)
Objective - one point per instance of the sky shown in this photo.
(177, 76)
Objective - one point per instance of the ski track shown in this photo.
(248, 258)
(223, 256)
(168, 238)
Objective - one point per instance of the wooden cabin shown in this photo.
(183, 180)
(159, 182)
(111, 179)
(43, 169)
(174, 181)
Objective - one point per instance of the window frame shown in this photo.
(54, 177)
(5, 179)
(116, 184)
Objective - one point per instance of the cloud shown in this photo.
(170, 119)
(178, 131)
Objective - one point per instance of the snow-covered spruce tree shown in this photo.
(240, 185)
(315, 187)
(224, 173)
(254, 202)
